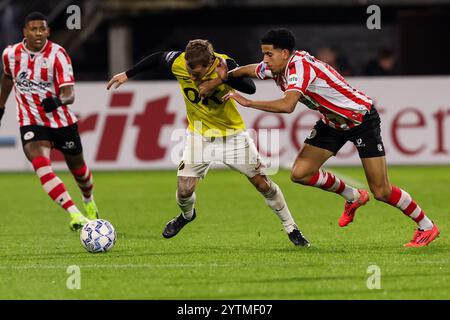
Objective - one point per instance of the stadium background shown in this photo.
(132, 128)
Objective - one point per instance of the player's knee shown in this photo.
(381, 193)
(263, 186)
(185, 192)
(300, 177)
(261, 183)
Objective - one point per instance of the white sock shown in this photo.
(350, 194)
(275, 200)
(425, 224)
(73, 209)
(186, 205)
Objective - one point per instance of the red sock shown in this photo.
(329, 182)
(401, 199)
(83, 177)
(52, 184)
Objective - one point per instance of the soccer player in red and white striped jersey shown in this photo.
(41, 73)
(347, 115)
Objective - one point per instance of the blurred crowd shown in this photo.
(383, 63)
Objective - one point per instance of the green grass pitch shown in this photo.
(235, 249)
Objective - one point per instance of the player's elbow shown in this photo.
(69, 100)
(289, 108)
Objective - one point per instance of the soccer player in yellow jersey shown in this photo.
(215, 126)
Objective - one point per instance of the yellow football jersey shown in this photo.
(210, 116)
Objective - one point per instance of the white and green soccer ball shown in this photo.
(98, 236)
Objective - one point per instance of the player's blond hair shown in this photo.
(199, 52)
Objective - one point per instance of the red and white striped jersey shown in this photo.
(323, 89)
(38, 75)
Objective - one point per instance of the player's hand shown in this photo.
(51, 103)
(207, 87)
(118, 79)
(222, 70)
(237, 97)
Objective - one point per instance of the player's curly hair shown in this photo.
(35, 16)
(199, 52)
(280, 38)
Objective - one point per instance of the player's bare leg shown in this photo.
(307, 171)
(38, 153)
(275, 200)
(377, 177)
(83, 177)
(185, 196)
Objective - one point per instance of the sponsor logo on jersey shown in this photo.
(293, 78)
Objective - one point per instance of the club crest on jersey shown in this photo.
(28, 136)
(44, 63)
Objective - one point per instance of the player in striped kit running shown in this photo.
(347, 115)
(42, 76)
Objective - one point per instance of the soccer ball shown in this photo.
(98, 236)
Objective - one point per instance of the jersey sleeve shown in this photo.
(300, 75)
(154, 61)
(263, 72)
(63, 71)
(169, 57)
(5, 62)
(244, 84)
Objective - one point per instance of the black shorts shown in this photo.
(65, 139)
(366, 137)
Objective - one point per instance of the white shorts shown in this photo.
(236, 151)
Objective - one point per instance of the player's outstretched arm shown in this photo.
(244, 71)
(284, 105)
(5, 89)
(148, 63)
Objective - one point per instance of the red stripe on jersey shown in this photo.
(57, 118)
(19, 108)
(37, 102)
(44, 71)
(27, 109)
(59, 72)
(67, 114)
(35, 97)
(349, 114)
(306, 75)
(7, 69)
(340, 89)
(17, 54)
